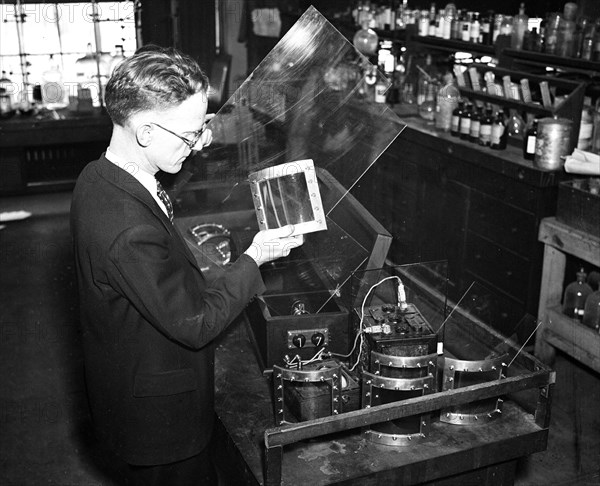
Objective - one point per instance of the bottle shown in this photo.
(447, 101)
(475, 124)
(475, 28)
(575, 296)
(520, 22)
(529, 140)
(551, 32)
(427, 109)
(485, 36)
(499, 132)
(466, 30)
(587, 42)
(591, 311)
(465, 122)
(566, 31)
(456, 116)
(485, 128)
(54, 92)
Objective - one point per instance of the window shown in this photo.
(44, 42)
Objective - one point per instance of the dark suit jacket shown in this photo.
(148, 319)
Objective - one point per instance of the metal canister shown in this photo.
(552, 143)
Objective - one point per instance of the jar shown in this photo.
(447, 101)
(552, 143)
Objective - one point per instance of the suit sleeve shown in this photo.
(149, 270)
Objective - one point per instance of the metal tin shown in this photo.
(552, 143)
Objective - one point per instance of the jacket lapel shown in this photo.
(125, 181)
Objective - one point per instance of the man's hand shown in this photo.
(272, 244)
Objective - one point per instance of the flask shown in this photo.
(591, 311)
(54, 93)
(465, 122)
(365, 40)
(475, 124)
(575, 296)
(529, 140)
(485, 128)
(456, 116)
(499, 132)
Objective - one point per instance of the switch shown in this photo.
(318, 338)
(299, 340)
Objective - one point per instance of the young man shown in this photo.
(147, 314)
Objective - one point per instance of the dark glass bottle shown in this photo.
(591, 312)
(576, 294)
(485, 128)
(499, 132)
(475, 124)
(456, 115)
(465, 122)
(529, 140)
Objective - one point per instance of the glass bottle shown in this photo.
(456, 116)
(591, 311)
(475, 124)
(529, 140)
(519, 28)
(566, 31)
(54, 92)
(515, 125)
(475, 30)
(587, 41)
(428, 107)
(499, 132)
(575, 296)
(485, 128)
(486, 29)
(465, 122)
(447, 101)
(551, 32)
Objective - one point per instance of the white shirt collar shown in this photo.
(144, 178)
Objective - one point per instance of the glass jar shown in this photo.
(428, 107)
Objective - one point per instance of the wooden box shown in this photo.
(579, 204)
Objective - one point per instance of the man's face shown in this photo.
(168, 151)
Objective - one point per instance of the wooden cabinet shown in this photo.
(447, 199)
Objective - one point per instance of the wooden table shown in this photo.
(251, 450)
(558, 331)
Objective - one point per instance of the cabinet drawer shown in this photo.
(497, 265)
(506, 225)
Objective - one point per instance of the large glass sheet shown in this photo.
(310, 98)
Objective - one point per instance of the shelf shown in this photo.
(454, 45)
(572, 337)
(541, 59)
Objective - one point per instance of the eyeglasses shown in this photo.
(191, 143)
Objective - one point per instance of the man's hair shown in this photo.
(154, 78)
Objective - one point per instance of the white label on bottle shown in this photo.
(455, 123)
(530, 148)
(485, 133)
(497, 132)
(475, 128)
(465, 126)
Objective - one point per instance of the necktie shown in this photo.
(164, 197)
